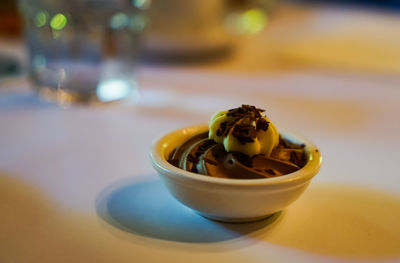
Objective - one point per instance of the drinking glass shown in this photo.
(84, 50)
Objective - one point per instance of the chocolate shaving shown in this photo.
(223, 129)
(244, 133)
(192, 158)
(294, 158)
(170, 156)
(262, 124)
(207, 144)
(174, 162)
(248, 111)
(270, 171)
(218, 151)
(210, 161)
(200, 150)
(243, 159)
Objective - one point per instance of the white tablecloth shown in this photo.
(76, 184)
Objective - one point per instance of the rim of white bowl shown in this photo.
(159, 161)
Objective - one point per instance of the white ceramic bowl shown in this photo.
(231, 200)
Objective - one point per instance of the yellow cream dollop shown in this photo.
(225, 125)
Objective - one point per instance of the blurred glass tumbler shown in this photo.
(84, 50)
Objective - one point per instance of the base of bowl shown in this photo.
(233, 219)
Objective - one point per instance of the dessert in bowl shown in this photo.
(239, 168)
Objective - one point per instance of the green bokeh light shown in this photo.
(58, 22)
(138, 23)
(253, 20)
(119, 20)
(40, 19)
(141, 4)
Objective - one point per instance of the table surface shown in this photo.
(76, 184)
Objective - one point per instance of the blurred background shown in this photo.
(258, 36)
(328, 70)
